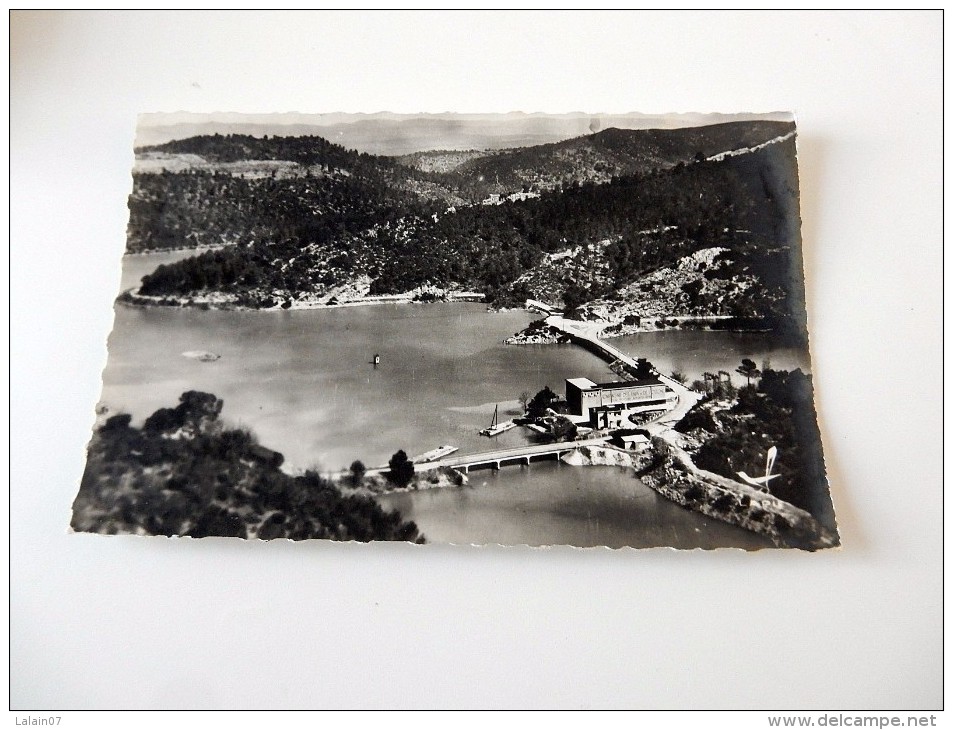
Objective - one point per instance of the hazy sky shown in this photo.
(395, 134)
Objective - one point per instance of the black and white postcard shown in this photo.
(522, 329)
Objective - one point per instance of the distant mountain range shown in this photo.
(594, 157)
(400, 134)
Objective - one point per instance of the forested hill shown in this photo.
(309, 150)
(202, 208)
(186, 473)
(453, 177)
(611, 153)
(332, 223)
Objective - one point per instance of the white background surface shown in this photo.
(101, 622)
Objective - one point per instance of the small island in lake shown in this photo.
(654, 272)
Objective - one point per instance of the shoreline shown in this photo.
(695, 323)
(670, 471)
(223, 302)
(674, 475)
(377, 485)
(198, 249)
(132, 298)
(665, 482)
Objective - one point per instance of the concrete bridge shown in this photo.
(509, 457)
(491, 459)
(587, 335)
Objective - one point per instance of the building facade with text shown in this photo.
(609, 405)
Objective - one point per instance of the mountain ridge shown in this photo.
(459, 176)
(646, 197)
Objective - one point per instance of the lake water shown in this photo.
(303, 380)
(694, 352)
(304, 383)
(551, 503)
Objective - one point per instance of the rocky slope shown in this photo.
(537, 333)
(548, 280)
(702, 286)
(674, 476)
(704, 289)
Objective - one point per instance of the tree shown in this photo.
(401, 469)
(692, 289)
(357, 472)
(541, 402)
(573, 297)
(524, 399)
(564, 429)
(680, 377)
(643, 369)
(118, 422)
(748, 369)
(196, 412)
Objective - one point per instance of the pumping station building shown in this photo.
(609, 405)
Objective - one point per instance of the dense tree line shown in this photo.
(184, 473)
(305, 232)
(305, 150)
(656, 217)
(779, 411)
(188, 209)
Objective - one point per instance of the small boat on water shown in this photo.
(435, 454)
(496, 428)
(201, 355)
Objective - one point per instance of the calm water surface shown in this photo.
(550, 503)
(694, 352)
(302, 380)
